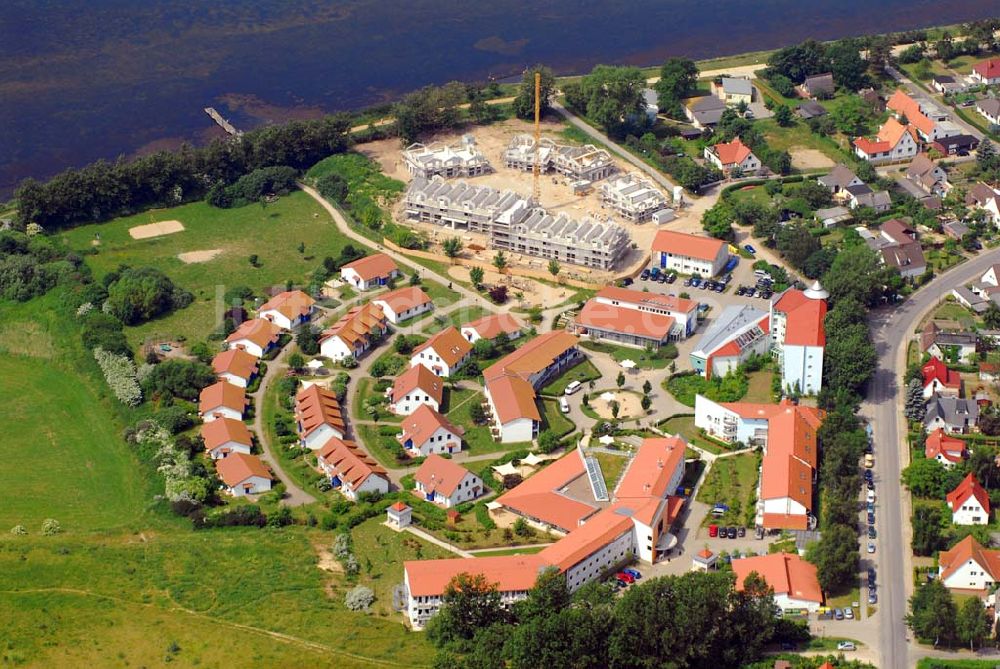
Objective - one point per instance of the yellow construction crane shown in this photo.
(536, 168)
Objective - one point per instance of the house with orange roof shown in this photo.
(939, 379)
(626, 327)
(969, 503)
(415, 387)
(788, 433)
(944, 448)
(288, 309)
(510, 383)
(689, 254)
(243, 475)
(351, 470)
(257, 337)
(445, 482)
(370, 272)
(738, 333)
(793, 580)
(733, 156)
(492, 326)
(426, 431)
(637, 524)
(357, 331)
(222, 400)
(987, 72)
(404, 303)
(444, 353)
(894, 141)
(799, 338)
(318, 417)
(235, 366)
(969, 566)
(225, 436)
(682, 310)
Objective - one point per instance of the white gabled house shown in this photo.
(225, 436)
(354, 334)
(318, 417)
(351, 470)
(894, 141)
(444, 353)
(243, 475)
(404, 303)
(257, 337)
(222, 400)
(415, 387)
(445, 482)
(369, 272)
(288, 309)
(425, 431)
(734, 155)
(969, 503)
(969, 566)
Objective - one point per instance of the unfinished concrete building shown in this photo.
(456, 160)
(511, 222)
(579, 163)
(632, 197)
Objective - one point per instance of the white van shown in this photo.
(762, 274)
(563, 405)
(572, 387)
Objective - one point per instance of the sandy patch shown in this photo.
(535, 293)
(805, 159)
(628, 405)
(155, 229)
(198, 256)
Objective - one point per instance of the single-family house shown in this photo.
(492, 326)
(222, 400)
(818, 86)
(689, 254)
(426, 431)
(840, 179)
(864, 196)
(444, 353)
(989, 108)
(235, 366)
(318, 417)
(987, 72)
(404, 303)
(831, 216)
(370, 271)
(955, 144)
(941, 380)
(989, 372)
(351, 470)
(357, 331)
(992, 275)
(794, 581)
(810, 109)
(705, 111)
(257, 337)
(225, 436)
(739, 332)
(243, 474)
(947, 84)
(947, 450)
(953, 414)
(893, 142)
(734, 156)
(969, 566)
(445, 482)
(969, 503)
(957, 230)
(734, 90)
(987, 198)
(928, 175)
(288, 309)
(898, 247)
(417, 386)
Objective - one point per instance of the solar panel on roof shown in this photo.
(596, 477)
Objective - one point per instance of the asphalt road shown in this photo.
(892, 329)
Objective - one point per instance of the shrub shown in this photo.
(175, 419)
(104, 331)
(19, 530)
(138, 295)
(120, 373)
(51, 527)
(359, 598)
(180, 378)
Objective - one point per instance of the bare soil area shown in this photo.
(155, 229)
(809, 159)
(198, 256)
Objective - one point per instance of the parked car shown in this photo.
(869, 475)
(572, 387)
(869, 460)
(871, 507)
(634, 573)
(741, 532)
(871, 575)
(872, 597)
(644, 275)
(871, 532)
(871, 546)
(731, 532)
(627, 281)
(870, 497)
(846, 645)
(719, 287)
(713, 531)
(687, 282)
(838, 614)
(750, 291)
(849, 613)
(620, 583)
(662, 278)
(766, 294)
(750, 249)
(563, 405)
(671, 278)
(741, 290)
(871, 518)
(623, 576)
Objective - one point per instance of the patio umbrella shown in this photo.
(607, 440)
(607, 397)
(628, 364)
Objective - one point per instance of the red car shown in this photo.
(622, 576)
(713, 530)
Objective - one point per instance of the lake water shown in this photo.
(81, 80)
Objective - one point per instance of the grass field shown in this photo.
(759, 389)
(272, 233)
(684, 426)
(658, 359)
(555, 420)
(583, 372)
(455, 318)
(510, 551)
(798, 136)
(731, 481)
(611, 467)
(477, 438)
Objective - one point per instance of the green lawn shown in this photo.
(953, 311)
(583, 372)
(658, 359)
(455, 318)
(272, 233)
(732, 481)
(799, 136)
(223, 597)
(510, 551)
(555, 420)
(366, 389)
(684, 426)
(477, 438)
(759, 389)
(380, 441)
(684, 387)
(612, 467)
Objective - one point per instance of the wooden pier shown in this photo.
(223, 123)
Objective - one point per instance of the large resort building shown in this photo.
(511, 222)
(634, 318)
(579, 163)
(462, 160)
(599, 535)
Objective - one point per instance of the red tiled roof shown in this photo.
(787, 573)
(938, 443)
(651, 300)
(490, 327)
(969, 487)
(804, 318)
(358, 324)
(990, 69)
(534, 356)
(422, 423)
(651, 468)
(902, 103)
(235, 361)
(732, 153)
(441, 475)
(399, 506)
(238, 467)
(870, 147)
(600, 530)
(223, 430)
(510, 573)
(420, 378)
(372, 267)
(692, 246)
(892, 131)
(350, 462)
(291, 304)
(222, 394)
(969, 549)
(513, 397)
(602, 316)
(539, 498)
(935, 369)
(316, 406)
(449, 344)
(404, 298)
(260, 331)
